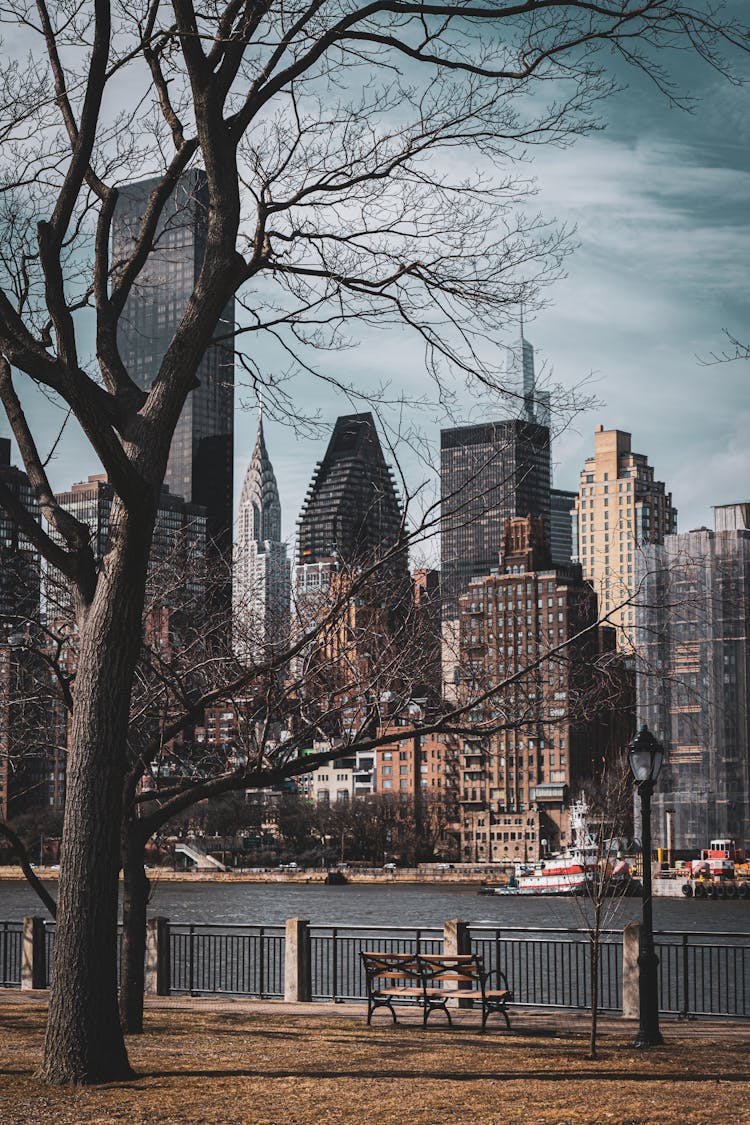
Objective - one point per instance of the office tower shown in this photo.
(562, 506)
(426, 631)
(525, 398)
(22, 674)
(694, 677)
(351, 515)
(515, 785)
(19, 560)
(489, 473)
(200, 468)
(620, 508)
(177, 578)
(261, 573)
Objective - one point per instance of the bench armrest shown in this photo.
(500, 977)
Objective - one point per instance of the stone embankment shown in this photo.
(456, 876)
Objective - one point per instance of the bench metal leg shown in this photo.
(436, 1006)
(373, 1002)
(491, 1009)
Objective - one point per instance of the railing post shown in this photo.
(631, 948)
(33, 953)
(685, 1013)
(191, 959)
(158, 957)
(456, 943)
(297, 961)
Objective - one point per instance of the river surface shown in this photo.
(396, 905)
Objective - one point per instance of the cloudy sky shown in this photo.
(660, 202)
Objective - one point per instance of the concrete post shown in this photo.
(33, 954)
(297, 961)
(158, 957)
(456, 942)
(631, 948)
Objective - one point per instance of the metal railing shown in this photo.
(699, 977)
(336, 965)
(11, 934)
(700, 974)
(240, 960)
(552, 969)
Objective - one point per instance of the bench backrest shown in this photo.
(393, 967)
(464, 969)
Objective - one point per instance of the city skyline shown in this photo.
(659, 199)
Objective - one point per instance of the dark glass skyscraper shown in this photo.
(200, 465)
(351, 512)
(489, 473)
(562, 546)
(19, 561)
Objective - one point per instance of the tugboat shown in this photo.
(568, 872)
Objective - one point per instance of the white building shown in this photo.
(261, 575)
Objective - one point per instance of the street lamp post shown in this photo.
(646, 754)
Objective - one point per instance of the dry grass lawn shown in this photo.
(200, 1065)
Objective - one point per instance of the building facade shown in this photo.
(19, 559)
(25, 683)
(620, 508)
(351, 516)
(537, 738)
(489, 473)
(261, 574)
(694, 678)
(177, 572)
(562, 547)
(200, 468)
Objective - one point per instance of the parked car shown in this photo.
(443, 866)
(389, 867)
(288, 867)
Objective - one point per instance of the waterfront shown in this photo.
(398, 905)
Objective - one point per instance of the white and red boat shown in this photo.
(565, 873)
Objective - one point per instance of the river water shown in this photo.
(395, 905)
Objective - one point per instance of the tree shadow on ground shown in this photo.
(391, 1073)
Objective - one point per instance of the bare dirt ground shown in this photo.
(271, 1065)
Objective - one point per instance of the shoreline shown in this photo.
(293, 878)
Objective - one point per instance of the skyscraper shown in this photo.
(200, 467)
(620, 507)
(351, 515)
(19, 560)
(562, 547)
(261, 572)
(177, 577)
(516, 784)
(694, 677)
(22, 727)
(526, 399)
(489, 473)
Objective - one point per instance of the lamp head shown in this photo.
(645, 754)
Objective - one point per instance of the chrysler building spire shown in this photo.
(261, 578)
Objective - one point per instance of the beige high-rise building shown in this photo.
(620, 506)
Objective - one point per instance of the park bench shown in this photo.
(432, 980)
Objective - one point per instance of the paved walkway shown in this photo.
(534, 1021)
(523, 1020)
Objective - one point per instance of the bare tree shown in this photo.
(321, 128)
(608, 810)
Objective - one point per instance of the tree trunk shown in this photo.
(595, 940)
(133, 950)
(84, 1041)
